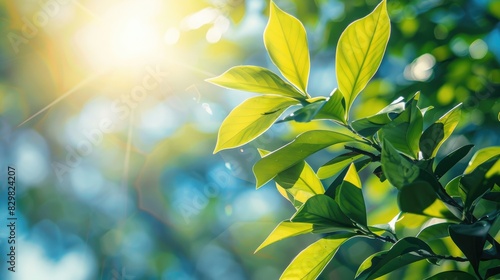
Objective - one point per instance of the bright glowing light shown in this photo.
(172, 36)
(199, 19)
(213, 35)
(126, 33)
(478, 49)
(421, 68)
(133, 39)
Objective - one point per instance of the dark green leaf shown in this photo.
(370, 125)
(451, 159)
(303, 146)
(434, 136)
(470, 238)
(420, 198)
(397, 169)
(406, 251)
(433, 232)
(379, 173)
(405, 130)
(350, 197)
(492, 272)
(452, 275)
(324, 213)
(477, 183)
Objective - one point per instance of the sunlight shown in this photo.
(125, 34)
(133, 40)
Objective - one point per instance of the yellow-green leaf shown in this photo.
(309, 263)
(297, 183)
(350, 197)
(435, 135)
(303, 146)
(337, 164)
(300, 182)
(481, 157)
(286, 42)
(284, 230)
(250, 119)
(255, 79)
(359, 52)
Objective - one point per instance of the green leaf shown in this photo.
(331, 109)
(303, 146)
(306, 113)
(250, 119)
(451, 159)
(470, 238)
(334, 108)
(406, 251)
(405, 130)
(477, 183)
(397, 169)
(335, 185)
(492, 271)
(300, 182)
(482, 156)
(324, 213)
(452, 275)
(284, 230)
(453, 188)
(255, 79)
(286, 42)
(433, 232)
(370, 125)
(350, 197)
(359, 52)
(435, 135)
(336, 165)
(309, 263)
(401, 172)
(420, 198)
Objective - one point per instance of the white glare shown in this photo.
(199, 19)
(421, 68)
(478, 49)
(125, 33)
(172, 36)
(134, 39)
(213, 35)
(207, 108)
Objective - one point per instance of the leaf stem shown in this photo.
(359, 151)
(442, 257)
(366, 140)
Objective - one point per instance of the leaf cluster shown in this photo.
(393, 142)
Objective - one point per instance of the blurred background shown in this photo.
(105, 114)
